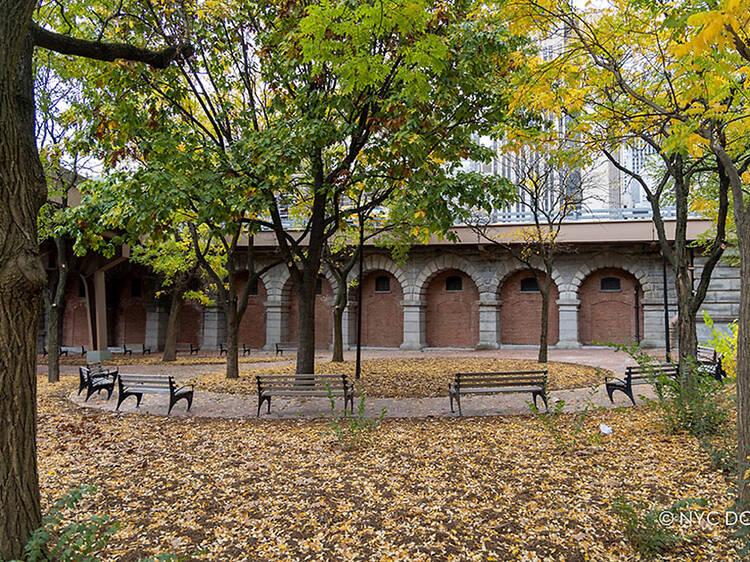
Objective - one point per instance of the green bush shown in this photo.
(60, 540)
(725, 344)
(567, 436)
(352, 429)
(644, 529)
(699, 408)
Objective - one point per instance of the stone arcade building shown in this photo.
(468, 294)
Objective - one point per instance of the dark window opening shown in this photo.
(319, 286)
(454, 283)
(254, 287)
(81, 289)
(529, 285)
(136, 289)
(382, 284)
(611, 284)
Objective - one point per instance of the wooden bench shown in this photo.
(282, 347)
(534, 382)
(300, 386)
(245, 349)
(637, 374)
(138, 385)
(67, 350)
(94, 378)
(60, 351)
(709, 362)
(189, 347)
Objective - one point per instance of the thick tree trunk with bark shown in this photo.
(743, 362)
(544, 334)
(338, 333)
(23, 191)
(170, 342)
(306, 323)
(233, 325)
(22, 279)
(54, 315)
(56, 311)
(686, 331)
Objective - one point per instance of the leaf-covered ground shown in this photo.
(413, 378)
(430, 489)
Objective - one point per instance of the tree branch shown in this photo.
(97, 50)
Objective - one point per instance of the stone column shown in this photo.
(157, 317)
(214, 327)
(349, 326)
(653, 323)
(414, 324)
(568, 310)
(489, 322)
(273, 322)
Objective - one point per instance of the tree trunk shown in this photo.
(686, 330)
(53, 343)
(543, 336)
(306, 324)
(56, 312)
(338, 320)
(22, 279)
(233, 325)
(170, 343)
(743, 357)
(338, 334)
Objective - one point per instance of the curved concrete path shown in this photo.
(233, 406)
(216, 405)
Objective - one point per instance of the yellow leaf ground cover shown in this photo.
(413, 378)
(431, 489)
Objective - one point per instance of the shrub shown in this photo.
(352, 429)
(79, 541)
(699, 408)
(644, 529)
(566, 436)
(58, 540)
(725, 344)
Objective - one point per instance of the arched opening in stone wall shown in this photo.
(382, 311)
(611, 308)
(252, 329)
(521, 310)
(452, 311)
(323, 313)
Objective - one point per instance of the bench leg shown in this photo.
(122, 396)
(173, 402)
(543, 397)
(260, 403)
(629, 392)
(610, 390)
(450, 397)
(458, 401)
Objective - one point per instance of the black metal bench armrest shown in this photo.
(609, 378)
